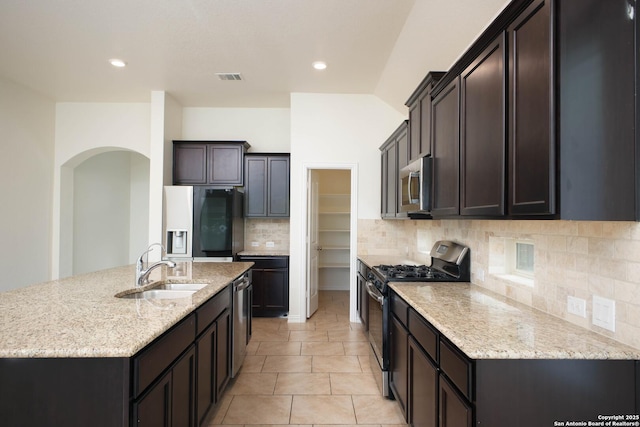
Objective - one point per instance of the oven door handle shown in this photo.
(374, 292)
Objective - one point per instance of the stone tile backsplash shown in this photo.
(576, 258)
(263, 231)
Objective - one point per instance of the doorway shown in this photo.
(331, 233)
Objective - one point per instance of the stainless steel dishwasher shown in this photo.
(241, 326)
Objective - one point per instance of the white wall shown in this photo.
(266, 129)
(333, 128)
(27, 121)
(83, 130)
(101, 212)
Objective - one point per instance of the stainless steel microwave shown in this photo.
(415, 186)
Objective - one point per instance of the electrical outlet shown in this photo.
(270, 244)
(577, 306)
(255, 244)
(604, 313)
(481, 274)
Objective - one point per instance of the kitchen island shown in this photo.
(72, 353)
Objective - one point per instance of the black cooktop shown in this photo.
(412, 273)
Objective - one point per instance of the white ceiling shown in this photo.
(384, 47)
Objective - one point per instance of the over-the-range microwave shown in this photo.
(415, 185)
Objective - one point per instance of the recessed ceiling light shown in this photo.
(319, 65)
(117, 62)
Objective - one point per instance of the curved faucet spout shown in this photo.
(143, 279)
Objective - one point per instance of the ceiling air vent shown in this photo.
(229, 76)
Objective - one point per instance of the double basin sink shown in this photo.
(165, 291)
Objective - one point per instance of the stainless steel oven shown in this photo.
(450, 262)
(378, 312)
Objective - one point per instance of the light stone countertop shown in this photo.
(79, 316)
(485, 325)
(264, 252)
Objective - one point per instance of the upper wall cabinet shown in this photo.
(482, 133)
(548, 116)
(266, 185)
(420, 117)
(445, 122)
(208, 162)
(531, 137)
(394, 156)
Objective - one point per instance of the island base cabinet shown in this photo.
(55, 391)
(154, 408)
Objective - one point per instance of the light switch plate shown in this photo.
(577, 306)
(604, 313)
(270, 244)
(255, 244)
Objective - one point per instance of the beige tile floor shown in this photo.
(307, 374)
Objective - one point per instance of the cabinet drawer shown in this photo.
(266, 263)
(456, 367)
(160, 354)
(400, 309)
(424, 334)
(210, 310)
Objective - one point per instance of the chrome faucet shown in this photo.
(142, 274)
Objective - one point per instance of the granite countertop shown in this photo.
(79, 316)
(485, 325)
(264, 252)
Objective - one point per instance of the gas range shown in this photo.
(449, 263)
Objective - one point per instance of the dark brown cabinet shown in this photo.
(398, 361)
(531, 183)
(420, 117)
(266, 185)
(208, 162)
(454, 409)
(445, 122)
(270, 279)
(482, 134)
(423, 387)
(213, 349)
(183, 387)
(154, 408)
(395, 152)
(446, 388)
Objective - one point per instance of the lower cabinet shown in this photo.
(423, 387)
(270, 279)
(445, 388)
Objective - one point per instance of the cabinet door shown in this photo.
(183, 391)
(206, 385)
(482, 134)
(271, 292)
(398, 360)
(225, 164)
(402, 142)
(278, 187)
(454, 409)
(415, 131)
(531, 142)
(223, 352)
(446, 148)
(189, 164)
(255, 189)
(423, 388)
(390, 181)
(154, 408)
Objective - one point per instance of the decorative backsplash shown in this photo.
(571, 258)
(263, 231)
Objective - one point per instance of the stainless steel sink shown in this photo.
(159, 294)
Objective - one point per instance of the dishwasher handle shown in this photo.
(374, 293)
(241, 284)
